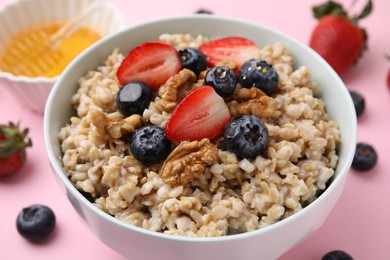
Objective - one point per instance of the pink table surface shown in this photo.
(359, 223)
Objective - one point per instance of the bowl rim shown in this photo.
(336, 180)
(42, 79)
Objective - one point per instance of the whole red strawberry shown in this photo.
(388, 79)
(13, 144)
(337, 37)
(388, 74)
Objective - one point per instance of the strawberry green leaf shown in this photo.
(14, 139)
(7, 148)
(329, 8)
(365, 12)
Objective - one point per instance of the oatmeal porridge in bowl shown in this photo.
(202, 136)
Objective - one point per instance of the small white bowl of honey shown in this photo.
(30, 58)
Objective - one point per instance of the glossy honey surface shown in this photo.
(30, 53)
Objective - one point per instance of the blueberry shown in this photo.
(149, 144)
(246, 136)
(358, 102)
(258, 73)
(35, 222)
(337, 255)
(133, 98)
(222, 79)
(204, 11)
(365, 157)
(193, 59)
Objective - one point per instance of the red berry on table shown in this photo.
(388, 79)
(338, 37)
(387, 56)
(201, 114)
(235, 49)
(13, 144)
(151, 62)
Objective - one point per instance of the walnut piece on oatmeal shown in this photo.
(188, 161)
(252, 101)
(170, 92)
(114, 127)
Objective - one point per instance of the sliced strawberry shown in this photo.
(201, 114)
(236, 49)
(151, 62)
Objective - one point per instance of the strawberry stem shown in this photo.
(334, 8)
(364, 13)
(329, 8)
(14, 139)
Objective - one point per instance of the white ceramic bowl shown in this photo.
(267, 243)
(18, 15)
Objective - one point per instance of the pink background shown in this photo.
(359, 224)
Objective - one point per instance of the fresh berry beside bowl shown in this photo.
(337, 37)
(36, 222)
(337, 255)
(388, 79)
(358, 101)
(365, 157)
(13, 145)
(388, 74)
(203, 11)
(167, 176)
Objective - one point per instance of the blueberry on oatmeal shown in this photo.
(193, 59)
(365, 157)
(260, 74)
(246, 136)
(133, 98)
(222, 79)
(150, 145)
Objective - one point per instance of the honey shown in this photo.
(26, 53)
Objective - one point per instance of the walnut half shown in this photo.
(176, 87)
(188, 161)
(252, 101)
(114, 125)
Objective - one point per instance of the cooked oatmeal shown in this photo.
(227, 195)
